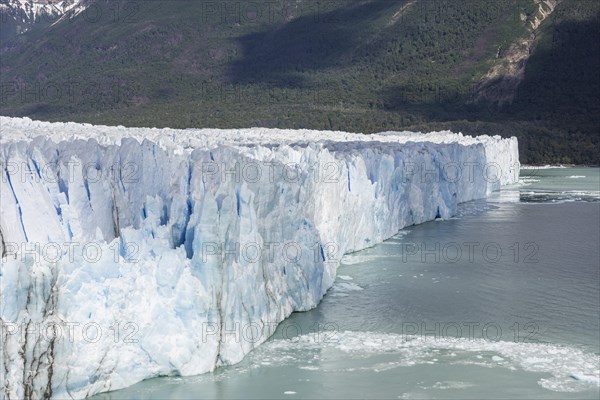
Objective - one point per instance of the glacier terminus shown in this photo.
(132, 253)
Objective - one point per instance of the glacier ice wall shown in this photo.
(131, 253)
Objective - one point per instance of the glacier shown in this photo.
(132, 253)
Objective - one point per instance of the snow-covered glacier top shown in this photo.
(157, 251)
(26, 129)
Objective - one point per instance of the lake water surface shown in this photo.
(501, 301)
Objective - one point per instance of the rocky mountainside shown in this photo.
(19, 16)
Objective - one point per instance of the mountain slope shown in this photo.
(20, 16)
(501, 66)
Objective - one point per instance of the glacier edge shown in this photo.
(131, 253)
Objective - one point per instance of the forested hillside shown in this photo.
(527, 68)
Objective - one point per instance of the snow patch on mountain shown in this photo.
(27, 13)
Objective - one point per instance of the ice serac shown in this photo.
(131, 253)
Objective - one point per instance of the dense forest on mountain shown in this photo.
(359, 66)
